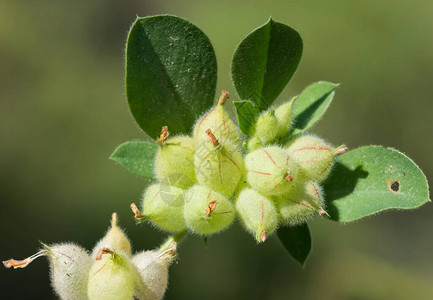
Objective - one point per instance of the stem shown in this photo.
(173, 238)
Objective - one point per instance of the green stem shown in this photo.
(173, 238)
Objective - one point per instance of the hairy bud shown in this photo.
(271, 171)
(207, 211)
(70, 266)
(163, 206)
(298, 207)
(114, 239)
(174, 160)
(266, 127)
(219, 122)
(284, 114)
(257, 213)
(314, 156)
(111, 277)
(218, 166)
(153, 272)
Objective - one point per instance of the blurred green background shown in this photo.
(63, 111)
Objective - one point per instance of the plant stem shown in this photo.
(173, 238)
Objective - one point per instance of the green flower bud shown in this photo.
(218, 166)
(315, 157)
(302, 204)
(266, 127)
(111, 277)
(174, 160)
(257, 213)
(254, 143)
(219, 122)
(284, 114)
(70, 266)
(207, 211)
(153, 272)
(271, 171)
(114, 239)
(163, 206)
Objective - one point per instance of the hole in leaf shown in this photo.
(394, 186)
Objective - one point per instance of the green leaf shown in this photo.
(311, 104)
(246, 112)
(170, 74)
(137, 157)
(371, 179)
(296, 240)
(264, 62)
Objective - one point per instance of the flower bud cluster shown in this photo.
(109, 272)
(204, 179)
(197, 176)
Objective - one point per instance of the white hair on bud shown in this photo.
(70, 266)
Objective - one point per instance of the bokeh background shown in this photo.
(63, 111)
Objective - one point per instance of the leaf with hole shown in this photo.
(137, 157)
(296, 240)
(265, 61)
(371, 179)
(171, 74)
(312, 104)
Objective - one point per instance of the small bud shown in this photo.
(163, 206)
(266, 127)
(111, 277)
(254, 143)
(257, 213)
(174, 160)
(207, 211)
(219, 122)
(284, 114)
(114, 239)
(218, 166)
(153, 272)
(315, 157)
(298, 207)
(271, 171)
(70, 266)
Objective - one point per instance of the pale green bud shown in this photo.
(111, 277)
(207, 211)
(257, 213)
(163, 206)
(302, 204)
(114, 239)
(266, 127)
(218, 166)
(314, 155)
(284, 114)
(254, 143)
(153, 272)
(174, 160)
(219, 122)
(70, 266)
(271, 171)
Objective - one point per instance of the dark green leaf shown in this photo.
(137, 157)
(264, 62)
(371, 179)
(170, 74)
(296, 240)
(311, 104)
(247, 112)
